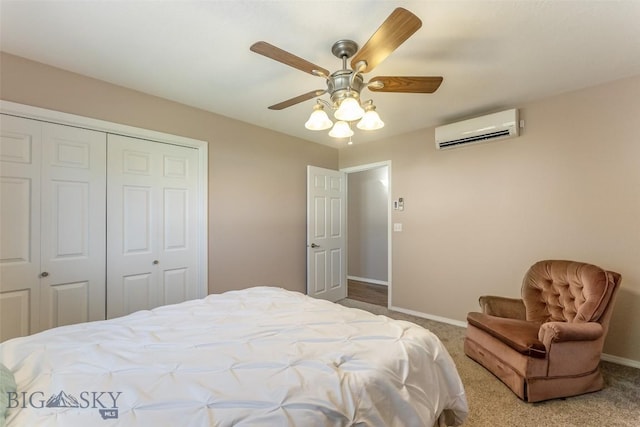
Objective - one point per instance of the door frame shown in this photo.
(365, 167)
(42, 114)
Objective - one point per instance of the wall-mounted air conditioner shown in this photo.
(480, 129)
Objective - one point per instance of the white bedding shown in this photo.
(259, 357)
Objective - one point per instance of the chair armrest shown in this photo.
(563, 331)
(512, 308)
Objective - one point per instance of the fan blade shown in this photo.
(277, 54)
(298, 99)
(406, 84)
(397, 28)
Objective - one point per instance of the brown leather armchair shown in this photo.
(548, 344)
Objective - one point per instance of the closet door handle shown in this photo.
(155, 262)
(44, 274)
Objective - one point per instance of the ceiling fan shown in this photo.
(347, 83)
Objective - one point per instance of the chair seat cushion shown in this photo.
(521, 335)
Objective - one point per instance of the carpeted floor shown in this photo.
(491, 404)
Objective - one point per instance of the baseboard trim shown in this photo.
(364, 279)
(606, 357)
(620, 360)
(429, 316)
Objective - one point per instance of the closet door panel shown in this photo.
(152, 252)
(176, 226)
(73, 225)
(131, 225)
(178, 251)
(15, 313)
(138, 292)
(17, 246)
(137, 222)
(20, 145)
(176, 285)
(70, 303)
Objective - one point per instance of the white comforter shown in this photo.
(259, 357)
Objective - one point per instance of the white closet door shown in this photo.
(20, 146)
(152, 255)
(73, 225)
(52, 253)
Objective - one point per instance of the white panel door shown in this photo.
(73, 205)
(152, 253)
(52, 225)
(20, 144)
(326, 234)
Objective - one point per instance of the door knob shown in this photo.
(313, 245)
(155, 261)
(44, 274)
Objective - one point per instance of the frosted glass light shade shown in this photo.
(318, 120)
(370, 121)
(349, 110)
(341, 130)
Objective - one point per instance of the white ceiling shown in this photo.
(492, 54)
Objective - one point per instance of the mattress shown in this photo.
(263, 356)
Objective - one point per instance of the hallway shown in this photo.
(367, 292)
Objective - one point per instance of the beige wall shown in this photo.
(257, 178)
(477, 217)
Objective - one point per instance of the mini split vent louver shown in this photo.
(479, 129)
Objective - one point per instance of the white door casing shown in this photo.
(326, 234)
(152, 240)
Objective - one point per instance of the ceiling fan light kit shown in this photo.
(349, 110)
(345, 85)
(341, 129)
(371, 120)
(318, 119)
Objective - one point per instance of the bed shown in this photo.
(263, 356)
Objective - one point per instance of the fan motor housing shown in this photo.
(339, 85)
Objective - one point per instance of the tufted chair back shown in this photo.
(566, 291)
